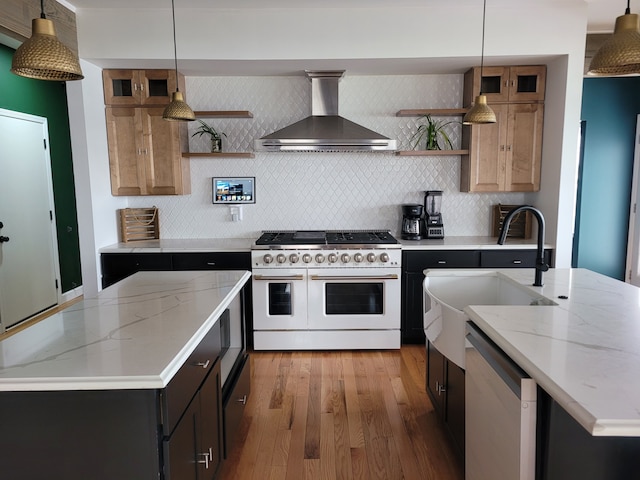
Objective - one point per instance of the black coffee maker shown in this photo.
(412, 222)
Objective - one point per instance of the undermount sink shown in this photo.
(448, 292)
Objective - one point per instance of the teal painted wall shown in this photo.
(609, 110)
(49, 100)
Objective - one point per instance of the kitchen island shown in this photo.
(124, 385)
(584, 355)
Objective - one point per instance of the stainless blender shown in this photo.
(433, 217)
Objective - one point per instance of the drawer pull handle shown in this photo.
(208, 456)
(517, 262)
(203, 365)
(211, 263)
(442, 262)
(242, 400)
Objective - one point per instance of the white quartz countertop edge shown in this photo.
(583, 352)
(203, 245)
(16, 380)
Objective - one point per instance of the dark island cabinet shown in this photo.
(146, 434)
(445, 387)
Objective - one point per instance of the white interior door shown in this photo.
(633, 245)
(29, 258)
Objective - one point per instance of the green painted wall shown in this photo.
(609, 110)
(49, 99)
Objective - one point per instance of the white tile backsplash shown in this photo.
(322, 190)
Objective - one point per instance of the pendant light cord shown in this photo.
(175, 48)
(484, 15)
(628, 10)
(42, 15)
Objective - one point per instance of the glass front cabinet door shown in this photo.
(516, 84)
(138, 87)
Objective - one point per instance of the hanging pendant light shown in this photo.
(480, 113)
(43, 56)
(177, 110)
(620, 54)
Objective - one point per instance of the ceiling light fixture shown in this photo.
(43, 56)
(177, 110)
(480, 113)
(620, 54)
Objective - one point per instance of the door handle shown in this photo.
(4, 239)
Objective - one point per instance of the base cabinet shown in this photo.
(445, 387)
(145, 434)
(414, 262)
(566, 450)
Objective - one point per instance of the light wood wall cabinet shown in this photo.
(522, 84)
(505, 156)
(139, 87)
(145, 151)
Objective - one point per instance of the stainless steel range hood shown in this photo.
(325, 130)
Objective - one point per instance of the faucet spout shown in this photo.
(541, 265)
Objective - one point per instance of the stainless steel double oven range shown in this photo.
(326, 290)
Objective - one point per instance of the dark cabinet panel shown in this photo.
(116, 266)
(414, 262)
(212, 261)
(435, 378)
(235, 400)
(445, 387)
(511, 258)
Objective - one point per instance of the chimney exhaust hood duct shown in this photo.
(324, 130)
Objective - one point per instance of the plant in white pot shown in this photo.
(215, 136)
(429, 134)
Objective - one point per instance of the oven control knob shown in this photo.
(371, 257)
(320, 258)
(281, 258)
(306, 258)
(384, 257)
(333, 257)
(358, 257)
(268, 258)
(293, 258)
(345, 257)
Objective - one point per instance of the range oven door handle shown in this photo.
(279, 277)
(390, 276)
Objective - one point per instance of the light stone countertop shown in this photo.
(178, 245)
(585, 352)
(134, 334)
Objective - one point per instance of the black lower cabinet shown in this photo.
(148, 434)
(116, 266)
(566, 450)
(414, 262)
(445, 387)
(194, 450)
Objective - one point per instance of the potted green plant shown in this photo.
(215, 136)
(431, 133)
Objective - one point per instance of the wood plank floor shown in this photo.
(341, 415)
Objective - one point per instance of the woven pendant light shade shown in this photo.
(620, 55)
(44, 57)
(178, 110)
(480, 113)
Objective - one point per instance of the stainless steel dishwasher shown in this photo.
(500, 413)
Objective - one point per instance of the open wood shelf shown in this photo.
(223, 113)
(443, 112)
(430, 153)
(219, 154)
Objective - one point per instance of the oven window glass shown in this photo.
(354, 298)
(279, 299)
